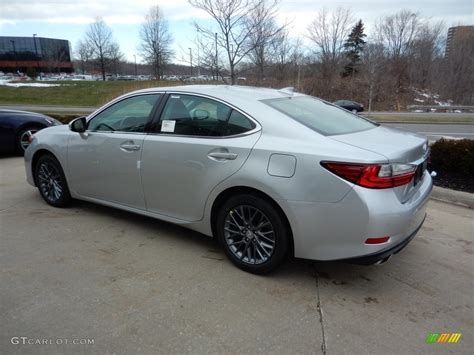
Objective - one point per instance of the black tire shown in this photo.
(19, 144)
(51, 181)
(260, 262)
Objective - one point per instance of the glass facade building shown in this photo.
(44, 54)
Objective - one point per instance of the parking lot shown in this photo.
(134, 284)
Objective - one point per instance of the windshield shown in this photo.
(319, 115)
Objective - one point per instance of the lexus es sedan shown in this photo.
(352, 106)
(269, 173)
(17, 127)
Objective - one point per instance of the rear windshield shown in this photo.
(319, 115)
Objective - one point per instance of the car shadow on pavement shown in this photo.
(162, 229)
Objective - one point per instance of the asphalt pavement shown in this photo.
(127, 284)
(437, 131)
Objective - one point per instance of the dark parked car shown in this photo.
(350, 105)
(16, 127)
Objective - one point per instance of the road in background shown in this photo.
(49, 108)
(437, 131)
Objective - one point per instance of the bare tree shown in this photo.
(264, 31)
(286, 57)
(398, 33)
(156, 40)
(83, 53)
(234, 32)
(426, 49)
(328, 32)
(206, 56)
(116, 57)
(373, 60)
(99, 40)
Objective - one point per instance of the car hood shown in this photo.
(396, 145)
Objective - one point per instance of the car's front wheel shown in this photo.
(253, 233)
(51, 181)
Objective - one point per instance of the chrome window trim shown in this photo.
(257, 128)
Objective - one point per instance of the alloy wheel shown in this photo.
(249, 234)
(50, 182)
(25, 138)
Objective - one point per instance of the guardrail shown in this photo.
(438, 108)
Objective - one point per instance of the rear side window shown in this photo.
(319, 115)
(238, 124)
(194, 116)
(191, 115)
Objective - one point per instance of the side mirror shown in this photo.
(78, 125)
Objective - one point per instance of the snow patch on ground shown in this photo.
(17, 85)
(429, 98)
(442, 103)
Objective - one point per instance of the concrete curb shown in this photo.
(459, 198)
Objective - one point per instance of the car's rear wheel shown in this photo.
(253, 233)
(23, 139)
(354, 111)
(51, 181)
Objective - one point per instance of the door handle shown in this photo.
(129, 147)
(222, 156)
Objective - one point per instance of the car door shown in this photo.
(197, 143)
(104, 161)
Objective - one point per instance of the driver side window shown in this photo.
(128, 115)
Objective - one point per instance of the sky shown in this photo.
(69, 19)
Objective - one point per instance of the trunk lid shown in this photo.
(398, 147)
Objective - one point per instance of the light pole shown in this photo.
(37, 58)
(135, 56)
(14, 52)
(191, 61)
(217, 66)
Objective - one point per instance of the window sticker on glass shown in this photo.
(175, 96)
(167, 125)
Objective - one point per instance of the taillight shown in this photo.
(373, 176)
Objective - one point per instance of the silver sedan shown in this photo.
(269, 173)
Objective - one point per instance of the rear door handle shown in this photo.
(129, 146)
(222, 156)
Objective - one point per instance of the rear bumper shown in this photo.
(384, 254)
(338, 231)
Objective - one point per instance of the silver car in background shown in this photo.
(270, 173)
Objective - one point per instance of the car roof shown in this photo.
(20, 113)
(226, 92)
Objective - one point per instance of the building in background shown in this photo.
(458, 37)
(40, 54)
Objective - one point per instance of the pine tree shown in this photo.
(354, 45)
